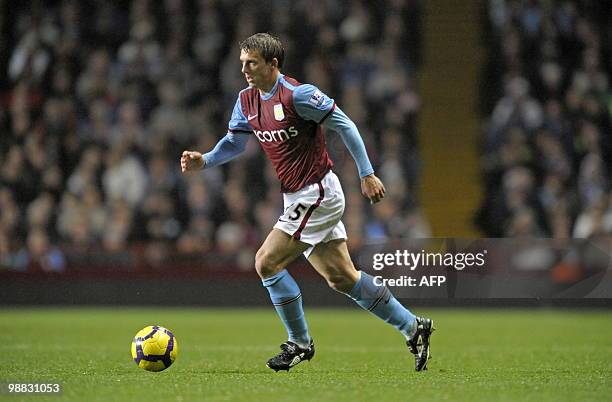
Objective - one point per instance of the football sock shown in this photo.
(379, 301)
(287, 300)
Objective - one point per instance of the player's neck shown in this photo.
(267, 87)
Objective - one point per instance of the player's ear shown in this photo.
(274, 62)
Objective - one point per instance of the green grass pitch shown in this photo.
(478, 355)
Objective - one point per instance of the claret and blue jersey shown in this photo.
(287, 123)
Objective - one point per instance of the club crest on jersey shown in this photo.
(278, 112)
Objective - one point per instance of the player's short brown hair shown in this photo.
(269, 47)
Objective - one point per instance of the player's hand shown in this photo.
(191, 160)
(372, 188)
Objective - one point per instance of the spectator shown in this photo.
(39, 254)
(124, 178)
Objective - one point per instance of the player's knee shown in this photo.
(340, 282)
(265, 265)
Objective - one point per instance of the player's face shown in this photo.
(257, 72)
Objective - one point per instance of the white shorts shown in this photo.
(312, 214)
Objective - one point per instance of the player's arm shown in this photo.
(229, 147)
(371, 186)
(226, 149)
(314, 105)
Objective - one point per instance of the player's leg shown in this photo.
(277, 251)
(333, 262)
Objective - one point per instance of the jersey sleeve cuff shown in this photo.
(239, 131)
(366, 172)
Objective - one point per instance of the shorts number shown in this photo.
(297, 212)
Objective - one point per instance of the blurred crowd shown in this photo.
(547, 144)
(99, 99)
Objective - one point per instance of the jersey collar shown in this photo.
(268, 95)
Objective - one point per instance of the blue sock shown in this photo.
(379, 301)
(287, 300)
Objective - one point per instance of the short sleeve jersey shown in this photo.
(287, 124)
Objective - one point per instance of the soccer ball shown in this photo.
(154, 348)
